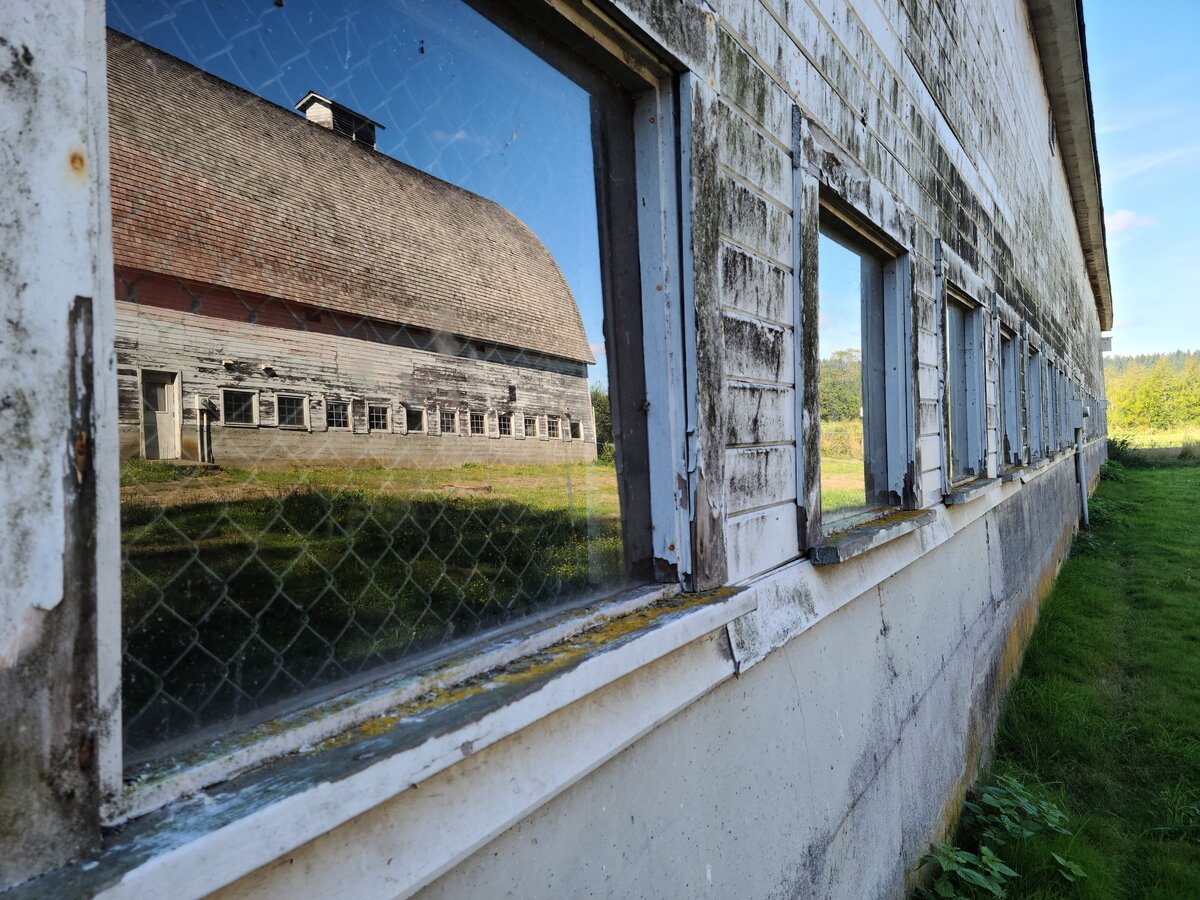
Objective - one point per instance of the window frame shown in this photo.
(573, 426)
(337, 401)
(525, 425)
(1009, 447)
(254, 407)
(421, 418)
(475, 419)
(504, 423)
(387, 415)
(304, 412)
(888, 469)
(553, 428)
(972, 387)
(452, 413)
(649, 280)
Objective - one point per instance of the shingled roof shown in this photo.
(214, 184)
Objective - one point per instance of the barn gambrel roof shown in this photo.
(216, 185)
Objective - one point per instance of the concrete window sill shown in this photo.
(971, 490)
(211, 839)
(845, 545)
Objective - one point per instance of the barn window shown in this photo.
(291, 410)
(863, 381)
(964, 387)
(1010, 409)
(337, 414)
(576, 430)
(414, 420)
(379, 417)
(1035, 404)
(241, 603)
(239, 407)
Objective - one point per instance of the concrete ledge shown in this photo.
(856, 541)
(972, 490)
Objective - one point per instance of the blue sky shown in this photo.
(1145, 79)
(456, 96)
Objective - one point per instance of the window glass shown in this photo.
(1035, 405)
(1010, 419)
(238, 407)
(337, 414)
(552, 426)
(377, 417)
(841, 297)
(956, 389)
(397, 200)
(530, 426)
(291, 411)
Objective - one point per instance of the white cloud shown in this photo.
(445, 137)
(1126, 219)
(1146, 162)
(597, 349)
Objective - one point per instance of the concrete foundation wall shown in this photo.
(824, 771)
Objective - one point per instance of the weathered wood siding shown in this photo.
(928, 141)
(211, 352)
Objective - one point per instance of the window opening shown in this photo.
(1010, 417)
(379, 417)
(504, 423)
(360, 571)
(552, 427)
(239, 407)
(964, 387)
(1034, 404)
(337, 414)
(863, 376)
(291, 410)
(576, 430)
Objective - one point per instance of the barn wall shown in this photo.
(815, 742)
(325, 367)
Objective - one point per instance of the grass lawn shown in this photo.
(1104, 719)
(1176, 438)
(241, 587)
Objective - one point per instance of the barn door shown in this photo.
(160, 423)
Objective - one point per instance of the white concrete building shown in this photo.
(787, 702)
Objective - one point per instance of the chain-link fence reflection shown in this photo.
(354, 398)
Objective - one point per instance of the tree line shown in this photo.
(1157, 391)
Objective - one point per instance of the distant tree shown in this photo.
(602, 409)
(1153, 391)
(840, 386)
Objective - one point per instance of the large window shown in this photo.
(1035, 404)
(863, 377)
(964, 401)
(1010, 407)
(448, 235)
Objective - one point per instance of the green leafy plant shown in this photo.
(962, 874)
(1001, 812)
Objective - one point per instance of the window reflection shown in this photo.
(344, 248)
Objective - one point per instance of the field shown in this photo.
(1104, 720)
(842, 479)
(1179, 437)
(244, 586)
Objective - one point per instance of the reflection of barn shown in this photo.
(284, 292)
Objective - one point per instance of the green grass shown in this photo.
(1177, 437)
(245, 586)
(1105, 716)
